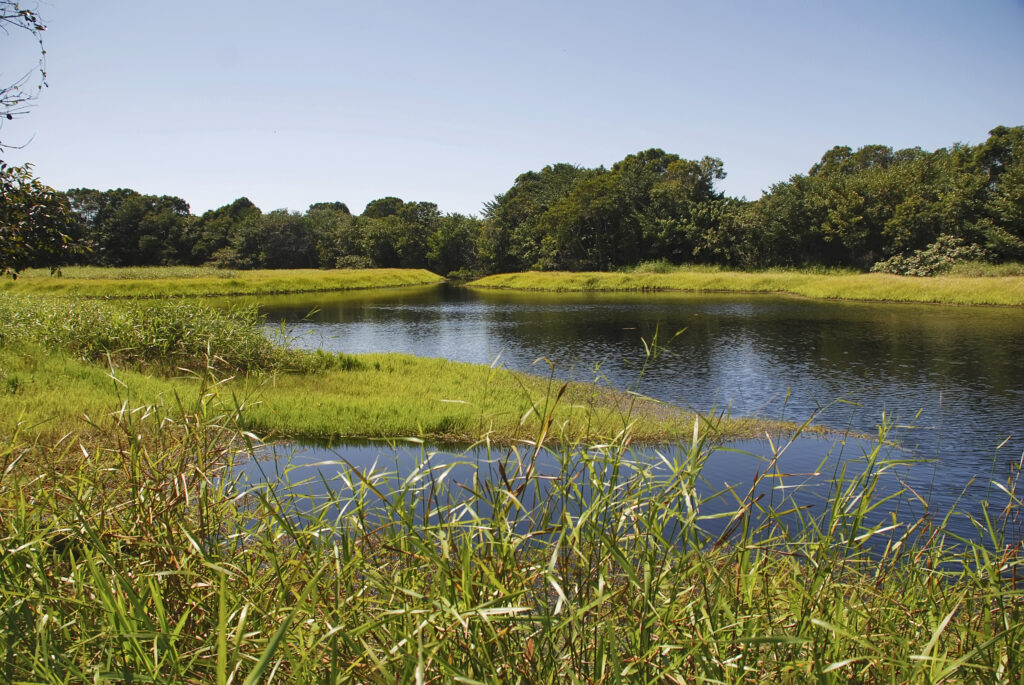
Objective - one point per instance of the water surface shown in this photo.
(950, 377)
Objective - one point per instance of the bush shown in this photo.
(353, 261)
(938, 258)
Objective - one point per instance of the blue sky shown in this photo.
(445, 101)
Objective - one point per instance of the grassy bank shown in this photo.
(962, 290)
(205, 281)
(61, 359)
(133, 555)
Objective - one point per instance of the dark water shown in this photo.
(952, 378)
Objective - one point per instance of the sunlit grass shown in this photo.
(206, 281)
(134, 554)
(841, 285)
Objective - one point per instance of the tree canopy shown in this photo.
(868, 207)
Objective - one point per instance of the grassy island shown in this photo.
(841, 285)
(156, 281)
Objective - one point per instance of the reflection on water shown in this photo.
(955, 373)
(804, 476)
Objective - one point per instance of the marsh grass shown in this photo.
(161, 282)
(149, 561)
(1005, 289)
(172, 333)
(158, 335)
(130, 273)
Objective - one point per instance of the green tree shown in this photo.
(678, 216)
(127, 228)
(214, 230)
(1004, 145)
(396, 233)
(34, 220)
(328, 206)
(380, 208)
(587, 226)
(1001, 160)
(1005, 231)
(276, 240)
(453, 245)
(512, 238)
(339, 239)
(380, 236)
(783, 223)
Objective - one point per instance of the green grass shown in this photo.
(1007, 290)
(133, 555)
(206, 281)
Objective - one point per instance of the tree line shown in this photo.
(874, 207)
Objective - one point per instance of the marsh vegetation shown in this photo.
(135, 547)
(134, 553)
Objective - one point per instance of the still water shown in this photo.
(951, 377)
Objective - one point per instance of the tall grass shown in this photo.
(165, 334)
(171, 333)
(150, 562)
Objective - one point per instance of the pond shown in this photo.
(952, 378)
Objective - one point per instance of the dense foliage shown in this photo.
(854, 208)
(33, 222)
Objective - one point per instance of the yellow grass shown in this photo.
(962, 290)
(205, 281)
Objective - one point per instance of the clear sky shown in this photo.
(448, 101)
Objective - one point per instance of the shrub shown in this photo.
(940, 257)
(353, 261)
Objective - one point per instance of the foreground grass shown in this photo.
(63, 359)
(206, 281)
(145, 560)
(963, 290)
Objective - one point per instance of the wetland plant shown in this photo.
(139, 555)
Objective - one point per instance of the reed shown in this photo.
(150, 560)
